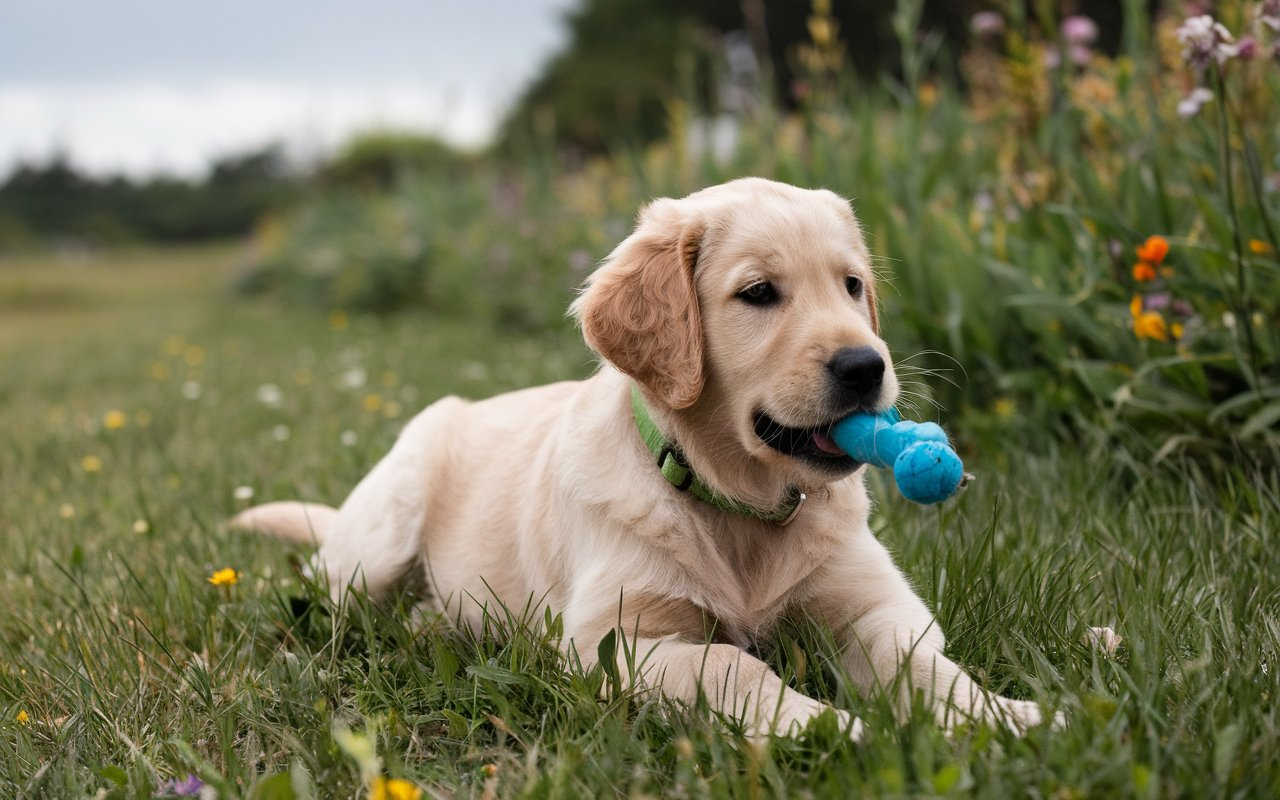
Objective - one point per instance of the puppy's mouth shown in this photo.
(814, 445)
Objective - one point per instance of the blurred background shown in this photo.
(1015, 164)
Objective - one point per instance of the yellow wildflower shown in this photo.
(114, 420)
(193, 355)
(224, 577)
(1135, 306)
(393, 789)
(23, 718)
(141, 526)
(91, 463)
(66, 511)
(1150, 325)
(1260, 248)
(372, 402)
(1176, 330)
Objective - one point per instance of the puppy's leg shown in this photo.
(733, 682)
(888, 637)
(377, 536)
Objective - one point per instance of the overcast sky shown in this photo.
(143, 86)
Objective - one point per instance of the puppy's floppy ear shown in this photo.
(640, 309)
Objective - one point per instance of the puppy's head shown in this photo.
(748, 311)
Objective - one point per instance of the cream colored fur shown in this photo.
(549, 495)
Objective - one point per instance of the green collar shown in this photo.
(676, 470)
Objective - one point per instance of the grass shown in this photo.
(133, 670)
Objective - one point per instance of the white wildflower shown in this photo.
(270, 395)
(191, 390)
(243, 493)
(1204, 40)
(1190, 105)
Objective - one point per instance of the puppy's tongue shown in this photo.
(826, 444)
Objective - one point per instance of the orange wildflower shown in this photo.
(1260, 248)
(1153, 250)
(1143, 272)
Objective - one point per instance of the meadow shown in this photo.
(1084, 276)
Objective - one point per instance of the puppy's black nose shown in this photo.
(857, 373)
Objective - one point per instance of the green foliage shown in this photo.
(1006, 217)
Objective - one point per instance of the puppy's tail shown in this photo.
(304, 523)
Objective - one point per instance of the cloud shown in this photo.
(142, 128)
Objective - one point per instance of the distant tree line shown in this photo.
(42, 202)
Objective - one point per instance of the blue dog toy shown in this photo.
(925, 467)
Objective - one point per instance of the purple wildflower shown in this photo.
(189, 786)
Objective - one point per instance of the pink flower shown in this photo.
(1204, 40)
(1247, 48)
(1079, 29)
(986, 23)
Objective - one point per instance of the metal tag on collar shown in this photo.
(795, 511)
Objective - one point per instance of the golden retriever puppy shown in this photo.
(688, 490)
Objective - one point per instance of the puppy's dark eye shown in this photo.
(853, 286)
(759, 294)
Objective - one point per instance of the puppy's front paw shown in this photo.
(796, 714)
(1021, 716)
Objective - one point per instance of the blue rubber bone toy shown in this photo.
(925, 467)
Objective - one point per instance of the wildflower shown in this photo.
(141, 526)
(1079, 29)
(91, 463)
(224, 577)
(354, 378)
(1246, 48)
(159, 371)
(114, 420)
(1260, 248)
(372, 402)
(1150, 325)
(1135, 306)
(243, 493)
(1190, 105)
(23, 718)
(270, 395)
(393, 789)
(1176, 330)
(348, 438)
(66, 511)
(189, 786)
(191, 390)
(1143, 272)
(1268, 13)
(986, 23)
(193, 355)
(1204, 40)
(280, 433)
(1153, 250)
